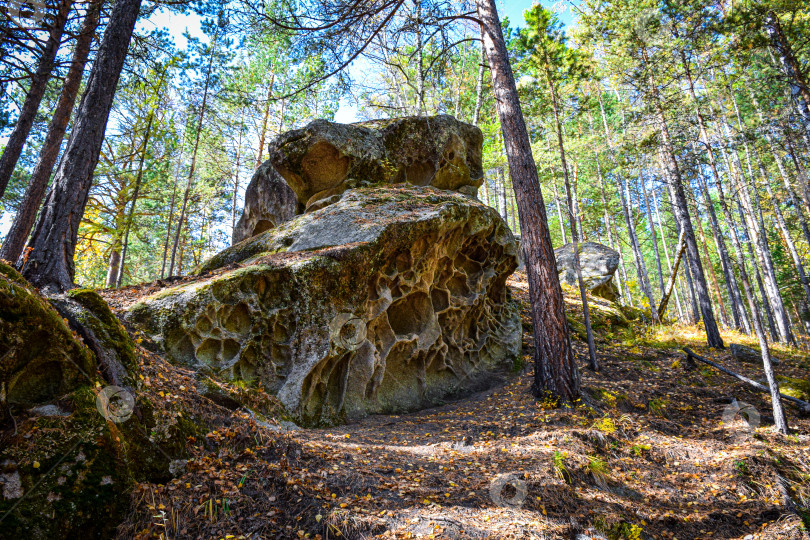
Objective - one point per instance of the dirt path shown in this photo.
(645, 456)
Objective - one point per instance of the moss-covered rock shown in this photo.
(798, 388)
(90, 316)
(323, 159)
(391, 299)
(40, 357)
(72, 472)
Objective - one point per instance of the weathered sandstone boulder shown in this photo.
(269, 201)
(324, 159)
(598, 264)
(391, 299)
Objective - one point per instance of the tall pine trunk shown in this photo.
(799, 90)
(36, 91)
(193, 166)
(54, 240)
(38, 184)
(556, 372)
(135, 194)
(682, 215)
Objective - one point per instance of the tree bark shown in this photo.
(673, 274)
(652, 233)
(39, 82)
(666, 254)
(682, 214)
(135, 193)
(556, 373)
(54, 240)
(799, 90)
(35, 192)
(737, 307)
(573, 217)
(193, 166)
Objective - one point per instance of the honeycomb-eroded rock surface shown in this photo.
(417, 313)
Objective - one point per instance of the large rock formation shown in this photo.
(324, 159)
(598, 264)
(40, 357)
(269, 201)
(391, 299)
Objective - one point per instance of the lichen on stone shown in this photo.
(40, 357)
(392, 299)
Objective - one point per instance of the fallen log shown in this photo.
(803, 406)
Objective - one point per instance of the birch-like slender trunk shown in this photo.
(195, 148)
(136, 192)
(682, 214)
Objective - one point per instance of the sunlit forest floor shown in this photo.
(646, 455)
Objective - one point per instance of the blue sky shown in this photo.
(514, 10)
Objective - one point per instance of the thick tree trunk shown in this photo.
(54, 240)
(556, 372)
(35, 192)
(682, 214)
(39, 82)
(799, 90)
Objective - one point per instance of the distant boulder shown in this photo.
(598, 264)
(269, 201)
(748, 355)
